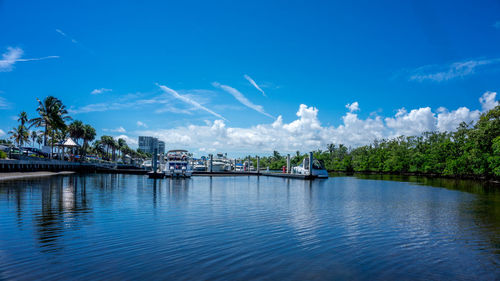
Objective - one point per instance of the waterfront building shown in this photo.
(161, 147)
(148, 144)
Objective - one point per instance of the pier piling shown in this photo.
(258, 164)
(288, 163)
(310, 163)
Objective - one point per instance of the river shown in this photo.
(124, 227)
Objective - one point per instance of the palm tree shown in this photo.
(331, 148)
(97, 148)
(76, 130)
(39, 140)
(122, 144)
(53, 115)
(114, 146)
(19, 134)
(33, 137)
(88, 136)
(276, 155)
(107, 141)
(23, 118)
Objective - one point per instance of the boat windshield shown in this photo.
(318, 165)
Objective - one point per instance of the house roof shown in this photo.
(69, 142)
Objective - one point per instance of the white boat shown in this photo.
(199, 166)
(221, 163)
(218, 165)
(178, 164)
(239, 167)
(318, 168)
(148, 165)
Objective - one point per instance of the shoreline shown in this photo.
(493, 180)
(26, 175)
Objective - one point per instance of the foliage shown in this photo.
(471, 151)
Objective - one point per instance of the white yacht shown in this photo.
(199, 166)
(244, 167)
(221, 163)
(178, 164)
(318, 168)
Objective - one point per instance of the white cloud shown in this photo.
(141, 124)
(413, 123)
(241, 98)
(254, 84)
(117, 130)
(307, 133)
(100, 91)
(188, 100)
(130, 141)
(451, 71)
(13, 55)
(2, 133)
(352, 106)
(488, 101)
(449, 121)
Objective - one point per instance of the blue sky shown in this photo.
(171, 65)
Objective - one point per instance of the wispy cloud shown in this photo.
(13, 55)
(188, 100)
(497, 25)
(117, 130)
(461, 69)
(66, 36)
(241, 98)
(254, 84)
(100, 91)
(74, 41)
(2, 133)
(3, 103)
(141, 124)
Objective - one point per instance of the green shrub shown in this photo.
(3, 155)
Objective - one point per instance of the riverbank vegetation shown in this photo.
(473, 150)
(53, 125)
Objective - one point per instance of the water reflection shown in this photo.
(131, 227)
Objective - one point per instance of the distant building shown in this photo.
(148, 144)
(161, 147)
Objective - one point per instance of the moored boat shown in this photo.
(178, 163)
(318, 169)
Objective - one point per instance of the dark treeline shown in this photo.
(473, 150)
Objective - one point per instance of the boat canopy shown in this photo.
(177, 150)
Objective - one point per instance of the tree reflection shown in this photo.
(64, 207)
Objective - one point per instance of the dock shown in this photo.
(52, 165)
(252, 173)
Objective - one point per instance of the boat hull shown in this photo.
(179, 173)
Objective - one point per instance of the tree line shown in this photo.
(473, 150)
(53, 125)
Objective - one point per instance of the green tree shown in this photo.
(52, 116)
(19, 134)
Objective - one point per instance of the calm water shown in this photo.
(121, 227)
